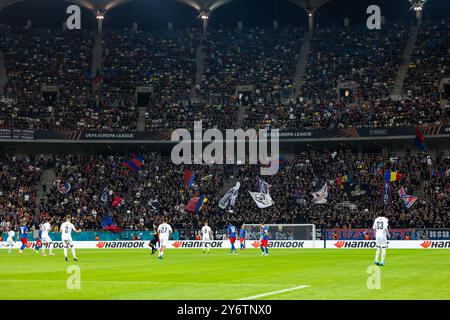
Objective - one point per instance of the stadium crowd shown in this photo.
(264, 58)
(368, 61)
(331, 114)
(429, 62)
(142, 198)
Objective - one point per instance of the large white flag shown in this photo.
(262, 200)
(320, 197)
(263, 186)
(229, 198)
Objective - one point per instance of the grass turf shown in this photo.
(190, 274)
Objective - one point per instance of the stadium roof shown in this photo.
(309, 5)
(98, 6)
(206, 6)
(7, 3)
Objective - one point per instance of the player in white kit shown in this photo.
(10, 240)
(206, 237)
(164, 230)
(46, 240)
(66, 237)
(380, 226)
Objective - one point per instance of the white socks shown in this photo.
(73, 252)
(377, 254)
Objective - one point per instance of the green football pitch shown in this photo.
(190, 274)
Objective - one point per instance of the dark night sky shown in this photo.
(153, 14)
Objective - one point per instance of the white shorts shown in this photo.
(46, 239)
(9, 242)
(206, 239)
(163, 242)
(381, 241)
(67, 243)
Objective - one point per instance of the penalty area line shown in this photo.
(273, 292)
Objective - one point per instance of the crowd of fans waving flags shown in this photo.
(261, 195)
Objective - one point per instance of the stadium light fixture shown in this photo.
(100, 17)
(417, 5)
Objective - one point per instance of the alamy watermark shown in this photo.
(74, 280)
(374, 280)
(258, 147)
(374, 20)
(73, 22)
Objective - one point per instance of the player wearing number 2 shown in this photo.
(380, 226)
(164, 230)
(66, 237)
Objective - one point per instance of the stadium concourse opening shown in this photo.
(354, 93)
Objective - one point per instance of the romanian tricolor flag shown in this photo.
(134, 164)
(341, 181)
(391, 176)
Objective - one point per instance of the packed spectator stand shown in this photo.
(263, 58)
(158, 190)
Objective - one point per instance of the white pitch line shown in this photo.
(273, 292)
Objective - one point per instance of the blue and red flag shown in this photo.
(63, 187)
(134, 164)
(188, 177)
(109, 225)
(379, 170)
(117, 201)
(196, 204)
(407, 199)
(94, 79)
(420, 140)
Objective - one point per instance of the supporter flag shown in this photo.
(320, 197)
(344, 181)
(153, 204)
(379, 169)
(280, 161)
(229, 198)
(358, 190)
(386, 194)
(104, 195)
(134, 164)
(97, 79)
(420, 141)
(117, 201)
(262, 200)
(263, 186)
(196, 204)
(339, 182)
(63, 187)
(188, 177)
(109, 225)
(407, 200)
(94, 79)
(391, 176)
